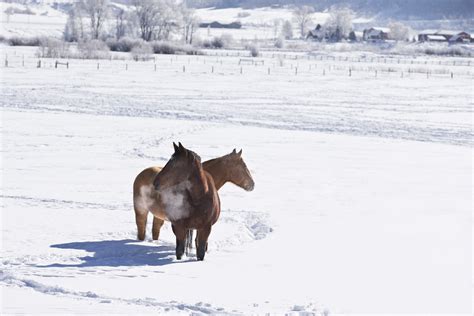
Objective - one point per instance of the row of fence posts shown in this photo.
(281, 62)
(57, 63)
(373, 59)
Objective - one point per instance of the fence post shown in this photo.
(452, 75)
(6, 62)
(39, 64)
(296, 70)
(376, 74)
(268, 70)
(184, 68)
(155, 67)
(240, 70)
(56, 64)
(126, 66)
(350, 72)
(98, 66)
(67, 65)
(212, 70)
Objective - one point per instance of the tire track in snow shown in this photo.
(10, 280)
(140, 151)
(58, 203)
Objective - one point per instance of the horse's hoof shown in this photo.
(200, 259)
(179, 258)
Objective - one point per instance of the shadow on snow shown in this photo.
(116, 253)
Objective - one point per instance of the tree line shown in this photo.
(148, 19)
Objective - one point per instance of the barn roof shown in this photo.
(428, 32)
(448, 32)
(382, 29)
(436, 37)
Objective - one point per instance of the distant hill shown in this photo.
(400, 9)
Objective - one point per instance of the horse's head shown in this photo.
(183, 164)
(239, 173)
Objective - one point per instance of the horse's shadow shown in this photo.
(116, 253)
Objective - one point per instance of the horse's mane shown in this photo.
(196, 159)
(187, 153)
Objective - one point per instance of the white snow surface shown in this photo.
(362, 204)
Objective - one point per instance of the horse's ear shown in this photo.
(234, 151)
(175, 147)
(182, 149)
(240, 153)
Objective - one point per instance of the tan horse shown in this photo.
(228, 168)
(188, 198)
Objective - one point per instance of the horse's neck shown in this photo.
(199, 185)
(215, 167)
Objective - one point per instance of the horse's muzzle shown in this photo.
(250, 187)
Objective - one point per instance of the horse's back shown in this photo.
(144, 195)
(146, 177)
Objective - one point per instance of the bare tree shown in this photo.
(96, 11)
(157, 19)
(287, 30)
(399, 31)
(74, 28)
(302, 16)
(70, 29)
(277, 26)
(168, 19)
(120, 23)
(339, 23)
(190, 23)
(147, 12)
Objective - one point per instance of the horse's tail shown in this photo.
(189, 241)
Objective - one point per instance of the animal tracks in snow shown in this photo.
(235, 228)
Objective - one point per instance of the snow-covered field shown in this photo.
(43, 20)
(362, 203)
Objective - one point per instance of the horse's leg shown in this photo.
(180, 233)
(140, 218)
(190, 237)
(155, 231)
(196, 240)
(202, 236)
(189, 241)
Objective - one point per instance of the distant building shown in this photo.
(376, 34)
(359, 36)
(218, 25)
(461, 38)
(435, 38)
(317, 34)
(444, 36)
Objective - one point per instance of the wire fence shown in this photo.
(241, 64)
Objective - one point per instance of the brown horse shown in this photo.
(228, 168)
(188, 198)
